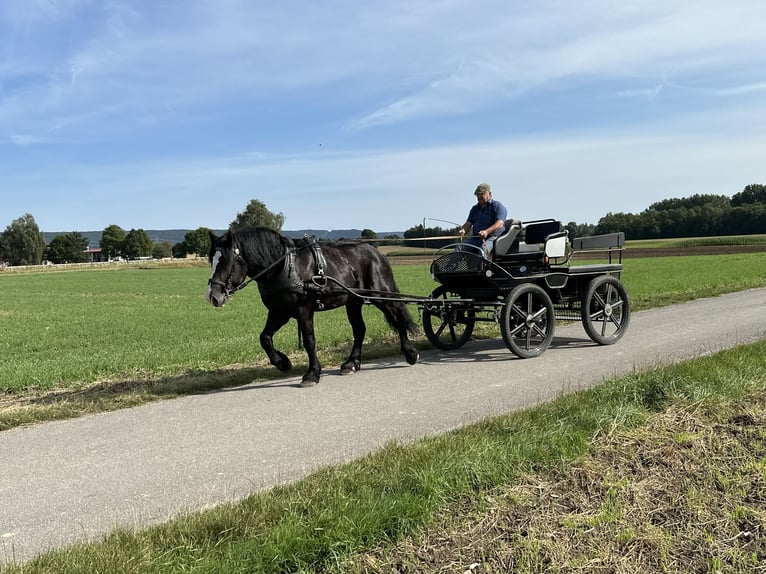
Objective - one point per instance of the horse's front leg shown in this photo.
(274, 322)
(358, 328)
(306, 325)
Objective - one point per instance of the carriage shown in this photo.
(534, 277)
(531, 280)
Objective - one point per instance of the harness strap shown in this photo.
(288, 277)
(245, 283)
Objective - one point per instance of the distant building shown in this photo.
(95, 255)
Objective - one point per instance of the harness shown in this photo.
(229, 287)
(287, 279)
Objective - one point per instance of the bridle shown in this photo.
(227, 285)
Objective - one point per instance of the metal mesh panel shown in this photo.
(568, 311)
(458, 262)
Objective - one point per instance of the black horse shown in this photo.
(297, 278)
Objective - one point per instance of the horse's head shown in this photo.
(228, 269)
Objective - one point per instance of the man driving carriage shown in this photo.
(486, 219)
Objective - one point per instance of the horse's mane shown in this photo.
(260, 245)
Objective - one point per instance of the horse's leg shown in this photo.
(358, 328)
(399, 318)
(306, 325)
(274, 322)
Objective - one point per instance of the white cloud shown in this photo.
(24, 139)
(743, 89)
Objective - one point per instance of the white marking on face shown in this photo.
(214, 265)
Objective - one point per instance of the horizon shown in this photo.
(376, 115)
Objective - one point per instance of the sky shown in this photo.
(342, 114)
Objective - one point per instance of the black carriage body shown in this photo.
(532, 280)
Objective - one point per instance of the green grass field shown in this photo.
(426, 506)
(72, 329)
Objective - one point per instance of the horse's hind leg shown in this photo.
(274, 322)
(358, 328)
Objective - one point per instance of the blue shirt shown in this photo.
(482, 218)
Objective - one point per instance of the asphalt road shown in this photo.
(76, 480)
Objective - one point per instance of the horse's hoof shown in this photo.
(412, 358)
(349, 369)
(310, 379)
(283, 364)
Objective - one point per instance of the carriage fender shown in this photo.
(556, 280)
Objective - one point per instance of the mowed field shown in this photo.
(76, 328)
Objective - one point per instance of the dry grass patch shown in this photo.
(685, 493)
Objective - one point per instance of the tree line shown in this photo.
(22, 242)
(699, 215)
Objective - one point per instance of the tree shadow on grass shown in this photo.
(20, 409)
(36, 406)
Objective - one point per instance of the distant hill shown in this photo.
(177, 235)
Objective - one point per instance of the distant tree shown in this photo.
(747, 219)
(614, 222)
(68, 248)
(112, 241)
(579, 229)
(137, 244)
(256, 213)
(753, 193)
(197, 242)
(696, 200)
(369, 235)
(179, 250)
(23, 242)
(419, 231)
(3, 250)
(162, 250)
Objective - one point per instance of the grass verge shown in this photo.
(683, 493)
(331, 520)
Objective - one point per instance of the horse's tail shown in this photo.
(399, 316)
(396, 312)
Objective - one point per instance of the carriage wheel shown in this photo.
(447, 326)
(605, 310)
(528, 320)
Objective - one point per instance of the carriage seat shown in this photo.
(535, 233)
(504, 243)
